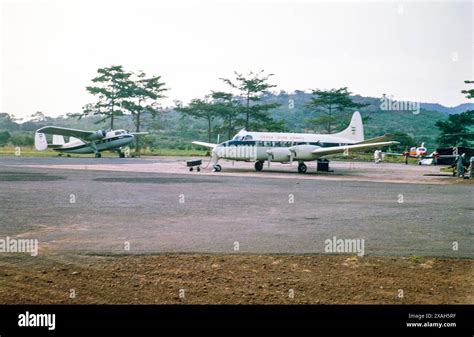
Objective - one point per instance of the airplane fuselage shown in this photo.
(416, 152)
(276, 146)
(278, 151)
(110, 142)
(83, 141)
(288, 147)
(101, 145)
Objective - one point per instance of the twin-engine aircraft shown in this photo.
(84, 141)
(421, 153)
(415, 152)
(288, 147)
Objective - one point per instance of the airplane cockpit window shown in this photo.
(238, 137)
(248, 137)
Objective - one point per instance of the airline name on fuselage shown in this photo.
(281, 137)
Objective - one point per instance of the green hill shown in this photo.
(172, 130)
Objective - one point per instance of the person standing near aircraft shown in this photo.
(377, 156)
(471, 168)
(459, 162)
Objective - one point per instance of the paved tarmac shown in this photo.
(155, 205)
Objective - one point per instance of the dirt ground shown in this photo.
(234, 279)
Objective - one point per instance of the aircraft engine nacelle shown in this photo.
(303, 152)
(99, 134)
(279, 155)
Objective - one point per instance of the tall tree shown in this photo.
(406, 141)
(144, 98)
(8, 122)
(4, 137)
(331, 105)
(456, 130)
(225, 106)
(113, 88)
(251, 87)
(470, 92)
(38, 117)
(200, 109)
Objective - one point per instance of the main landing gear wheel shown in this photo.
(121, 154)
(98, 155)
(258, 166)
(217, 168)
(302, 168)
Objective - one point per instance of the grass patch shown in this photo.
(415, 259)
(172, 152)
(32, 152)
(370, 157)
(447, 169)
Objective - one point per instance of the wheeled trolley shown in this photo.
(194, 163)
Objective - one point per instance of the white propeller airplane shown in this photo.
(288, 147)
(84, 141)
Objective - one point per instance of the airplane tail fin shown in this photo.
(41, 143)
(355, 131)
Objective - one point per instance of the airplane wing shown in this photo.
(139, 133)
(393, 154)
(376, 139)
(56, 130)
(323, 151)
(440, 156)
(209, 145)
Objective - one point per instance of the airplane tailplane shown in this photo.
(355, 131)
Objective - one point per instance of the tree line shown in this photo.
(119, 92)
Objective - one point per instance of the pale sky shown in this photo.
(50, 50)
